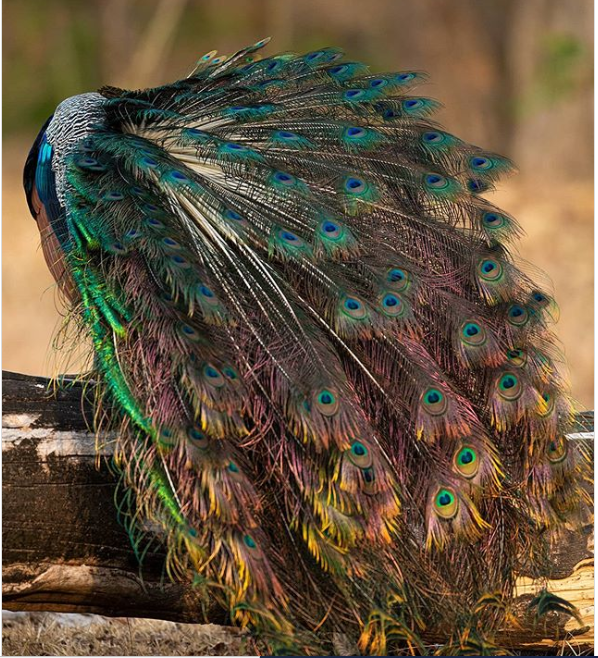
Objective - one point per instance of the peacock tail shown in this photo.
(335, 388)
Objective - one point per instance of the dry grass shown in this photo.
(50, 634)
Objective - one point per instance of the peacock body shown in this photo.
(335, 389)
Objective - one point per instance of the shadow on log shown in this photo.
(64, 550)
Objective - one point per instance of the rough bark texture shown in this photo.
(64, 549)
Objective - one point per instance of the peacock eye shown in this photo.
(481, 163)
(435, 402)
(557, 450)
(517, 315)
(490, 270)
(360, 455)
(517, 357)
(213, 376)
(493, 220)
(446, 504)
(473, 334)
(509, 387)
(392, 305)
(327, 402)
(466, 462)
(354, 185)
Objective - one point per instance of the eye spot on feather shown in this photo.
(378, 83)
(150, 162)
(480, 163)
(284, 178)
(333, 57)
(490, 270)
(331, 230)
(177, 176)
(354, 131)
(354, 185)
(473, 334)
(399, 278)
(179, 261)
(189, 332)
(466, 462)
(87, 163)
(150, 207)
(354, 94)
(197, 437)
(118, 248)
(392, 305)
(557, 450)
(88, 145)
(249, 541)
(358, 449)
(517, 315)
(170, 243)
(446, 504)
(232, 467)
(436, 182)
(493, 220)
(405, 77)
(432, 137)
(154, 223)
(337, 70)
(434, 402)
(287, 236)
(112, 195)
(286, 135)
(509, 387)
(548, 405)
(517, 357)
(133, 234)
(360, 455)
(327, 403)
(476, 185)
(413, 104)
(204, 291)
(213, 376)
(368, 475)
(539, 299)
(167, 437)
(354, 308)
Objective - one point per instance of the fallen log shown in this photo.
(65, 551)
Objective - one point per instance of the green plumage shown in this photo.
(336, 391)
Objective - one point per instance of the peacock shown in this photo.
(337, 397)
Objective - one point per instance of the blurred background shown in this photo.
(515, 76)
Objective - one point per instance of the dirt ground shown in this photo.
(53, 634)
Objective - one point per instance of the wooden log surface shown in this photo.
(64, 549)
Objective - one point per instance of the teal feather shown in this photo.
(316, 346)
